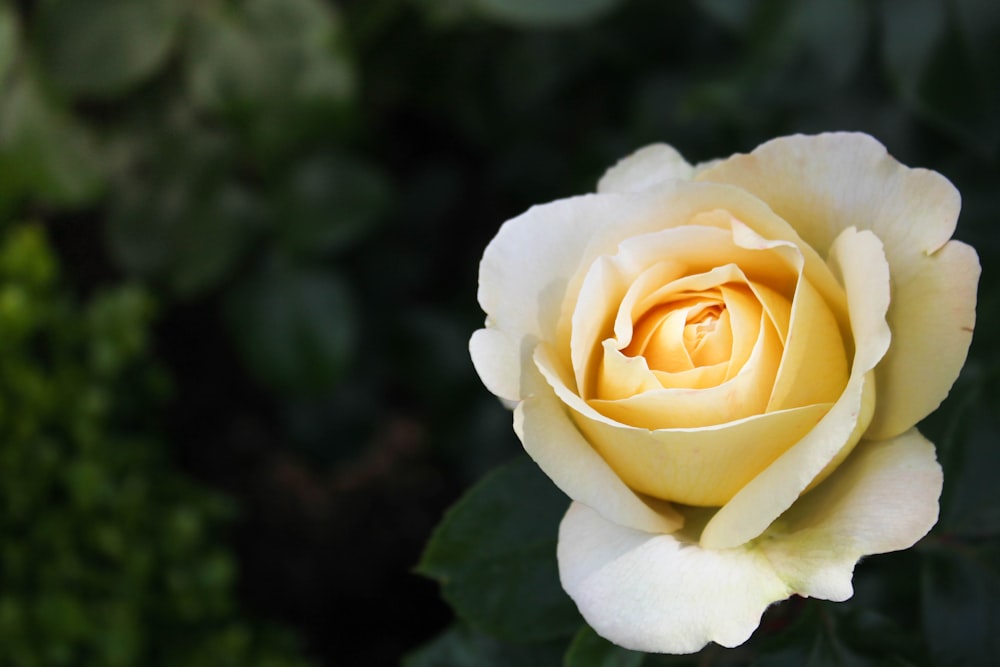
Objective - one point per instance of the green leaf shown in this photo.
(588, 649)
(460, 646)
(178, 215)
(278, 68)
(961, 606)
(294, 326)
(104, 47)
(329, 202)
(545, 13)
(9, 42)
(44, 152)
(494, 554)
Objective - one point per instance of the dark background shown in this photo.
(238, 277)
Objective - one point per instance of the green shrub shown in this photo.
(108, 556)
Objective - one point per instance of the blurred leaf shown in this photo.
(270, 65)
(188, 238)
(9, 42)
(177, 213)
(294, 326)
(961, 606)
(44, 152)
(545, 13)
(588, 649)
(104, 47)
(814, 642)
(460, 646)
(330, 202)
(494, 554)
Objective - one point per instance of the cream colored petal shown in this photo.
(654, 593)
(556, 445)
(703, 466)
(491, 352)
(645, 168)
(858, 257)
(883, 498)
(824, 184)
(622, 376)
(932, 317)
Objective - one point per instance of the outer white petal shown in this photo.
(657, 593)
(645, 168)
(883, 498)
(491, 351)
(827, 183)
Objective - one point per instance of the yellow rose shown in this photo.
(722, 365)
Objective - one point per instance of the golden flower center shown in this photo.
(683, 335)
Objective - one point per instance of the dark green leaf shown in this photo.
(9, 42)
(104, 47)
(275, 67)
(330, 202)
(588, 649)
(44, 152)
(460, 646)
(546, 13)
(294, 326)
(961, 607)
(187, 234)
(494, 554)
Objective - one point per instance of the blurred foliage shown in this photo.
(107, 557)
(307, 185)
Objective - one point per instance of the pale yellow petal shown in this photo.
(814, 366)
(744, 395)
(551, 438)
(824, 184)
(703, 466)
(858, 257)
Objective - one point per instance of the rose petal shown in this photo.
(823, 184)
(734, 399)
(932, 318)
(528, 267)
(865, 275)
(553, 441)
(703, 466)
(883, 498)
(645, 168)
(657, 593)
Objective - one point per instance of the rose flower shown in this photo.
(722, 366)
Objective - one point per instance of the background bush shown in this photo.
(304, 189)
